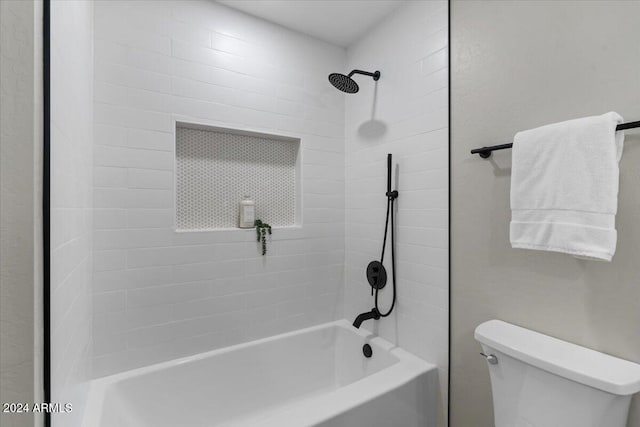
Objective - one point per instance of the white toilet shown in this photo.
(540, 381)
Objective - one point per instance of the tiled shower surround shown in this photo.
(407, 116)
(71, 206)
(160, 294)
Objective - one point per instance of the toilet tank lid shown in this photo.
(571, 361)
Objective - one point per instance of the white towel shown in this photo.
(564, 187)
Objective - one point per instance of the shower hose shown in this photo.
(391, 198)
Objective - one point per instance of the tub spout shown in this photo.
(373, 314)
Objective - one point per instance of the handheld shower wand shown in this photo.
(391, 198)
(376, 272)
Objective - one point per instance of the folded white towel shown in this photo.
(564, 187)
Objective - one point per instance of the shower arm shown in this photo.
(375, 75)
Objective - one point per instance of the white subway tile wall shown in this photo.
(71, 206)
(161, 294)
(405, 114)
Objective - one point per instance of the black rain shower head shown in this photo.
(346, 83)
(343, 83)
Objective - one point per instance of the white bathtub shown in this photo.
(311, 377)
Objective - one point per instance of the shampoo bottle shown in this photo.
(247, 213)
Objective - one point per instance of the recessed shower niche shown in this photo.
(217, 167)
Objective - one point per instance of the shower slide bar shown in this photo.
(485, 152)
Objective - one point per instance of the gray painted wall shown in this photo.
(20, 211)
(518, 65)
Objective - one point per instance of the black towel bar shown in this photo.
(485, 152)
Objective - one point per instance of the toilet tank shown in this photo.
(540, 381)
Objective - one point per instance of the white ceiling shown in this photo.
(340, 22)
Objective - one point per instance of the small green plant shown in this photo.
(262, 229)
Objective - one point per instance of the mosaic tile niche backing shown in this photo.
(216, 169)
